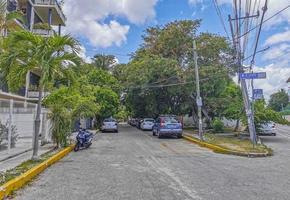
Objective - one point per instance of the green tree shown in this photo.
(279, 100)
(49, 57)
(264, 114)
(68, 104)
(105, 62)
(166, 58)
(232, 104)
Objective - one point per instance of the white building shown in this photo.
(288, 82)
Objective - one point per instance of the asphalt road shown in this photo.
(133, 165)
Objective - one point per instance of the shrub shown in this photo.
(218, 125)
(4, 128)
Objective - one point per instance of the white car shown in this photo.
(147, 124)
(268, 129)
(109, 124)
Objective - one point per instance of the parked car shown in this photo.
(134, 122)
(130, 121)
(147, 124)
(109, 124)
(167, 125)
(138, 123)
(267, 129)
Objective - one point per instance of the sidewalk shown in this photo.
(19, 154)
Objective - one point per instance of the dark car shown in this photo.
(167, 125)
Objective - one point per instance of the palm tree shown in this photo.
(49, 57)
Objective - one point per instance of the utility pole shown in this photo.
(198, 98)
(236, 31)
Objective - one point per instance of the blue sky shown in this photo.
(115, 27)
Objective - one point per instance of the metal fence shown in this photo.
(17, 125)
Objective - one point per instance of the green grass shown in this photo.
(234, 142)
(23, 167)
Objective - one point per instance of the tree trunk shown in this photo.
(195, 118)
(237, 125)
(37, 125)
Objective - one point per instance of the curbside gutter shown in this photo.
(222, 150)
(21, 180)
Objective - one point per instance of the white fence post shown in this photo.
(10, 124)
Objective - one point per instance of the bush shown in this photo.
(4, 133)
(218, 125)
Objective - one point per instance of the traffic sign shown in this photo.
(258, 75)
(258, 94)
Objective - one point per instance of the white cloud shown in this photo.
(278, 38)
(277, 52)
(82, 54)
(86, 18)
(193, 2)
(277, 76)
(220, 2)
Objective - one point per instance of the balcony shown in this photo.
(42, 32)
(41, 8)
(34, 94)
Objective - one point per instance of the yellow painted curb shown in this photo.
(21, 180)
(219, 149)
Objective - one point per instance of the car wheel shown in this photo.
(159, 135)
(153, 133)
(274, 134)
(117, 131)
(179, 136)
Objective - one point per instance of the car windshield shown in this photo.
(170, 120)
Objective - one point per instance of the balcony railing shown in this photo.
(43, 32)
(34, 94)
(49, 3)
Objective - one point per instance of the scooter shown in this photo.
(84, 140)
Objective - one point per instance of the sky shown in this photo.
(116, 26)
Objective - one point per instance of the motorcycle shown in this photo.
(83, 140)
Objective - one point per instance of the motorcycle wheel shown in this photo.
(77, 147)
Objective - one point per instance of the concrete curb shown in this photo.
(21, 180)
(219, 149)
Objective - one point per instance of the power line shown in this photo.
(176, 84)
(265, 8)
(220, 16)
(277, 13)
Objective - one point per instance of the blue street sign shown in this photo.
(258, 94)
(259, 75)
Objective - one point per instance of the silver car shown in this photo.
(109, 124)
(268, 129)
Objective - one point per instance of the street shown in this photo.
(135, 165)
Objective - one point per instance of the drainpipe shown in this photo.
(32, 18)
(49, 17)
(59, 29)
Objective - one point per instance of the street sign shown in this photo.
(259, 75)
(258, 94)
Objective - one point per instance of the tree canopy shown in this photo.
(279, 100)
